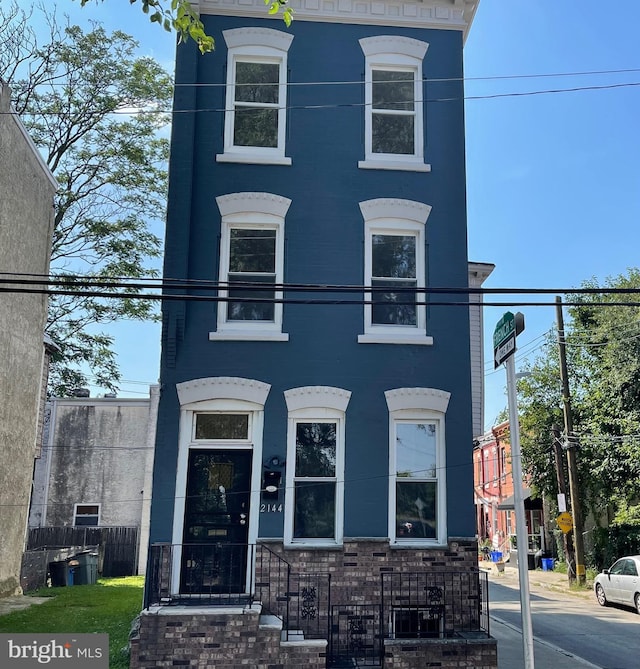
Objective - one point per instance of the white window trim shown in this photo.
(394, 216)
(227, 395)
(315, 404)
(75, 513)
(393, 52)
(250, 210)
(255, 45)
(415, 405)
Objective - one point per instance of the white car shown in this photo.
(620, 584)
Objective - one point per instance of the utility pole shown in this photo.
(576, 509)
(562, 490)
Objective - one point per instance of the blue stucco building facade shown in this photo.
(315, 383)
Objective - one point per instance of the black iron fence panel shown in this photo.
(310, 605)
(199, 574)
(434, 604)
(355, 637)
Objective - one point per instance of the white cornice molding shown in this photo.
(431, 399)
(442, 14)
(223, 387)
(313, 397)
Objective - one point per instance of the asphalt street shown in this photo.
(571, 631)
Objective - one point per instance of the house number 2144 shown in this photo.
(271, 508)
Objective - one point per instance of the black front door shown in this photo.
(216, 522)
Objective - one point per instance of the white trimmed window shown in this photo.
(86, 515)
(314, 508)
(251, 265)
(394, 110)
(395, 266)
(256, 98)
(417, 467)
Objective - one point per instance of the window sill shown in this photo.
(252, 158)
(301, 545)
(401, 339)
(402, 165)
(426, 543)
(248, 335)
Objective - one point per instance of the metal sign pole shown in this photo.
(521, 525)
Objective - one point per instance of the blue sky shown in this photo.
(553, 179)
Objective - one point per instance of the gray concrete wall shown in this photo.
(97, 451)
(26, 226)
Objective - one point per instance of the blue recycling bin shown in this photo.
(496, 556)
(547, 564)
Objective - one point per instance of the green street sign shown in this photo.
(504, 337)
(505, 328)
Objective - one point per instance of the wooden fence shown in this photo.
(117, 546)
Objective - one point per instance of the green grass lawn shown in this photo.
(109, 607)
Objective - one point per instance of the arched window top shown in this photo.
(308, 397)
(393, 44)
(393, 208)
(428, 399)
(252, 37)
(253, 202)
(223, 387)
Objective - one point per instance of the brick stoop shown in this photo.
(224, 637)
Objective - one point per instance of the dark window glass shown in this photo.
(256, 127)
(87, 515)
(393, 259)
(393, 90)
(257, 82)
(256, 104)
(222, 426)
(393, 113)
(392, 134)
(252, 260)
(315, 449)
(315, 510)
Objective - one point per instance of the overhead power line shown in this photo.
(346, 105)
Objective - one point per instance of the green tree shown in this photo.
(603, 358)
(180, 16)
(95, 111)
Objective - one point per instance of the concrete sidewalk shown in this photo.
(509, 637)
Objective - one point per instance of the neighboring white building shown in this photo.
(478, 273)
(96, 465)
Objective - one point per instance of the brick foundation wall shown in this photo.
(356, 567)
(229, 638)
(443, 653)
(226, 639)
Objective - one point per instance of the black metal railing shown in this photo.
(227, 574)
(434, 604)
(355, 639)
(203, 574)
(301, 601)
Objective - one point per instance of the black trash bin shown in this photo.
(85, 566)
(59, 572)
(531, 561)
